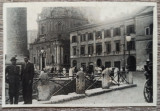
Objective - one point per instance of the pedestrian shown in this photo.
(13, 79)
(27, 80)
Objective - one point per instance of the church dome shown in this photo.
(61, 12)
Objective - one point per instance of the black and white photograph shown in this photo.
(79, 54)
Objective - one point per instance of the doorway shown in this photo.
(131, 61)
(99, 62)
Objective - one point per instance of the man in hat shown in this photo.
(13, 78)
(27, 75)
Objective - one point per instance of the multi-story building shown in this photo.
(105, 43)
(52, 46)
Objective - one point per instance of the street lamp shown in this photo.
(128, 38)
(89, 58)
(42, 62)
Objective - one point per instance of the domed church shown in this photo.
(51, 49)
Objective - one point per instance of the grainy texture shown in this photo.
(157, 108)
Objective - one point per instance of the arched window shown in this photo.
(52, 59)
(59, 26)
(42, 30)
(149, 30)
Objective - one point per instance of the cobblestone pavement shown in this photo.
(130, 95)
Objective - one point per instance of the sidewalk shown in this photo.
(74, 96)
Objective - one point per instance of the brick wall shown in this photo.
(157, 108)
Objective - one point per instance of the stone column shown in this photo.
(71, 72)
(43, 87)
(80, 83)
(130, 77)
(61, 55)
(16, 34)
(79, 45)
(103, 44)
(112, 41)
(94, 44)
(86, 48)
(58, 57)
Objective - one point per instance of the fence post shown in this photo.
(80, 82)
(106, 78)
(71, 73)
(43, 87)
(130, 77)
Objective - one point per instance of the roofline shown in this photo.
(98, 24)
(104, 23)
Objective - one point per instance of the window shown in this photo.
(107, 64)
(130, 29)
(83, 37)
(90, 49)
(83, 50)
(107, 33)
(108, 47)
(117, 43)
(74, 39)
(59, 26)
(74, 50)
(74, 63)
(52, 59)
(149, 30)
(98, 35)
(59, 35)
(116, 31)
(90, 36)
(99, 49)
(131, 46)
(42, 30)
(117, 64)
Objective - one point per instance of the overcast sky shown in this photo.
(100, 11)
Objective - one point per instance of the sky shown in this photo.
(99, 11)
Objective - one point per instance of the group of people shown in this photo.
(90, 69)
(15, 75)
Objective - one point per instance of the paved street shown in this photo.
(130, 95)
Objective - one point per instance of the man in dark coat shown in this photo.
(27, 80)
(13, 79)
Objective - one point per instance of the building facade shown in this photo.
(105, 43)
(52, 46)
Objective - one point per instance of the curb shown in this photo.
(111, 89)
(88, 93)
(69, 99)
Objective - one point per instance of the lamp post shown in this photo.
(128, 38)
(42, 62)
(55, 44)
(89, 58)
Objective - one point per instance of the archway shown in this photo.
(74, 63)
(131, 61)
(99, 62)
